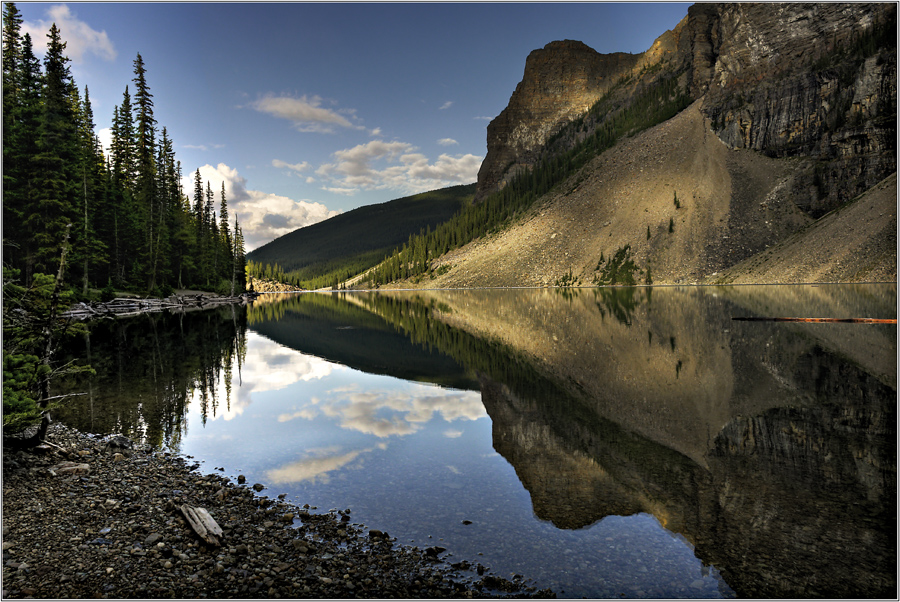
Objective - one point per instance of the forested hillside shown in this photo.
(331, 251)
(123, 214)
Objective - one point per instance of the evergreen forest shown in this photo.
(84, 223)
(127, 222)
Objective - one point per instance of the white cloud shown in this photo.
(446, 105)
(105, 136)
(298, 167)
(202, 147)
(306, 113)
(263, 216)
(379, 165)
(447, 142)
(79, 37)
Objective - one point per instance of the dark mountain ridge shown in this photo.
(366, 234)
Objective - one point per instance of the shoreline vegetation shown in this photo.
(87, 516)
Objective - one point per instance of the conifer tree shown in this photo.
(145, 196)
(88, 249)
(20, 134)
(225, 234)
(123, 144)
(55, 159)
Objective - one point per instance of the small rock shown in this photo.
(241, 479)
(258, 486)
(151, 539)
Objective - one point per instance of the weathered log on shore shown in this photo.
(124, 307)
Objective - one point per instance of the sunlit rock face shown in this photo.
(783, 79)
(561, 82)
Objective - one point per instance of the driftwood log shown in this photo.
(124, 307)
(202, 524)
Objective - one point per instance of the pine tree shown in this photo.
(21, 121)
(238, 277)
(225, 236)
(55, 159)
(12, 66)
(209, 219)
(123, 144)
(88, 248)
(145, 196)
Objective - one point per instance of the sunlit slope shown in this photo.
(730, 205)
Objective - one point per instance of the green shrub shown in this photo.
(108, 293)
(619, 269)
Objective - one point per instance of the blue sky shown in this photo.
(304, 110)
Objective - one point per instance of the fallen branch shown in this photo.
(819, 320)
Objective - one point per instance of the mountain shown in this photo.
(362, 236)
(734, 132)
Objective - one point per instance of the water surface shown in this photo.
(603, 442)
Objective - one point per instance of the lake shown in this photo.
(603, 442)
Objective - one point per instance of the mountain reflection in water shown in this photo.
(769, 447)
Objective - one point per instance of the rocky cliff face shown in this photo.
(814, 80)
(561, 82)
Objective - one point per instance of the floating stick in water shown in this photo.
(826, 320)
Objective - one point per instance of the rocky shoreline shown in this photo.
(86, 517)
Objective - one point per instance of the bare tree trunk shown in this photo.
(49, 340)
(84, 288)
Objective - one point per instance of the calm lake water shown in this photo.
(632, 443)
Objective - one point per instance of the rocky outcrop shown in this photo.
(258, 285)
(816, 80)
(561, 82)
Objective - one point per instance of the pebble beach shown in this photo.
(97, 517)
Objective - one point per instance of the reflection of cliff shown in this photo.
(807, 497)
(567, 486)
(771, 448)
(795, 502)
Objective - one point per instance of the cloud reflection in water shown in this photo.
(316, 469)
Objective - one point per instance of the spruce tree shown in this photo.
(145, 196)
(225, 237)
(56, 158)
(20, 136)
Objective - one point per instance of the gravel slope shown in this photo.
(857, 243)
